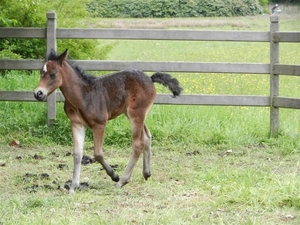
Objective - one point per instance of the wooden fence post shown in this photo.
(51, 44)
(274, 78)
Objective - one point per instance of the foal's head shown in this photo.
(51, 75)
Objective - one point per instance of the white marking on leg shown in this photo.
(78, 132)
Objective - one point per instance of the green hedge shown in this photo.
(173, 8)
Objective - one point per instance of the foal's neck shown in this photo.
(73, 87)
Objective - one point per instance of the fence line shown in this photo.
(51, 33)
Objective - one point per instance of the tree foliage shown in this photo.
(32, 13)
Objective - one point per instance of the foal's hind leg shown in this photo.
(147, 153)
(138, 145)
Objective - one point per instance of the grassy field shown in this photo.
(189, 185)
(210, 165)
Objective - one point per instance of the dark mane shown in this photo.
(79, 71)
(89, 78)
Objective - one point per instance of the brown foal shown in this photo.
(92, 101)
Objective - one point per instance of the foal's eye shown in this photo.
(52, 75)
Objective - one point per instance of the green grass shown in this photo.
(210, 165)
(189, 185)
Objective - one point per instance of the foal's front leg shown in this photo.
(78, 132)
(98, 132)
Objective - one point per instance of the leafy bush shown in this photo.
(189, 8)
(137, 9)
(209, 8)
(104, 8)
(174, 8)
(25, 14)
(32, 13)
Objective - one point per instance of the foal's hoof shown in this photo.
(115, 178)
(118, 185)
(121, 184)
(147, 175)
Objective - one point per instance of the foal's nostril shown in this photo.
(39, 95)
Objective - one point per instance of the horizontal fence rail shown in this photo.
(25, 32)
(104, 65)
(138, 34)
(286, 69)
(156, 34)
(220, 100)
(282, 102)
(286, 37)
(8, 64)
(51, 33)
(199, 67)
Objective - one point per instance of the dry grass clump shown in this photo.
(175, 23)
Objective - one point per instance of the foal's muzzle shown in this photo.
(39, 95)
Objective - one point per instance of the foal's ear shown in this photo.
(62, 57)
(52, 52)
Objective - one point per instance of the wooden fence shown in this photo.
(274, 68)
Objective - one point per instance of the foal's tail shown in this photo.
(168, 81)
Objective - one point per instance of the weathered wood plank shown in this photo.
(51, 44)
(283, 69)
(26, 96)
(274, 78)
(159, 34)
(286, 37)
(283, 102)
(6, 32)
(217, 100)
(200, 67)
(8, 64)
(221, 100)
(59, 96)
(102, 65)
(146, 34)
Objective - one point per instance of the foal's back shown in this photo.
(125, 91)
